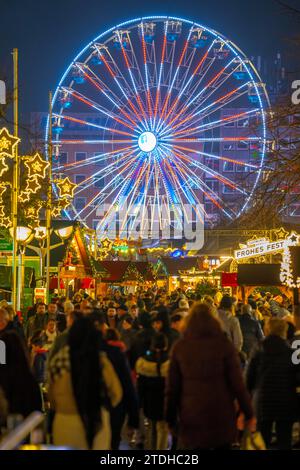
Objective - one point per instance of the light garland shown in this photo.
(31, 187)
(286, 270)
(7, 143)
(66, 187)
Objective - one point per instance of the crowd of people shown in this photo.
(156, 371)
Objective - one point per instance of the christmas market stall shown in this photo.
(127, 275)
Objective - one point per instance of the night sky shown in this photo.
(49, 33)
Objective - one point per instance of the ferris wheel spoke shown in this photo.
(83, 99)
(137, 96)
(170, 193)
(209, 170)
(214, 89)
(148, 94)
(217, 157)
(196, 97)
(158, 87)
(132, 192)
(91, 160)
(224, 100)
(171, 86)
(184, 85)
(212, 139)
(107, 92)
(107, 171)
(91, 124)
(207, 191)
(143, 202)
(183, 184)
(100, 195)
(133, 91)
(214, 124)
(120, 195)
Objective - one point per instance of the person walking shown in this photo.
(17, 382)
(203, 385)
(251, 329)
(151, 372)
(82, 387)
(230, 324)
(271, 379)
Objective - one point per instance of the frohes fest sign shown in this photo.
(263, 247)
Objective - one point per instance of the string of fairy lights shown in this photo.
(32, 183)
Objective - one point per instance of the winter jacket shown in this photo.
(271, 379)
(151, 385)
(251, 331)
(38, 322)
(204, 380)
(68, 429)
(232, 328)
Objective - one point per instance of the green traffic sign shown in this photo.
(5, 245)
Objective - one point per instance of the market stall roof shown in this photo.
(120, 271)
(59, 246)
(175, 265)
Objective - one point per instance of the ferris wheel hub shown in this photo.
(147, 141)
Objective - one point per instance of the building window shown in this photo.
(213, 185)
(241, 168)
(99, 160)
(242, 145)
(95, 223)
(80, 203)
(228, 146)
(243, 123)
(99, 183)
(228, 189)
(229, 124)
(63, 158)
(79, 178)
(228, 166)
(212, 163)
(294, 210)
(79, 156)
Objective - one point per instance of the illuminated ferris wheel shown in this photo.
(159, 112)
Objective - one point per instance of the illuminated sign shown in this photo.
(263, 247)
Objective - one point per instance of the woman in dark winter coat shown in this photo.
(152, 370)
(17, 382)
(204, 380)
(272, 381)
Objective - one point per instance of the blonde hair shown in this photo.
(10, 312)
(277, 327)
(68, 306)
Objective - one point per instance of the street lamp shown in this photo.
(64, 232)
(23, 236)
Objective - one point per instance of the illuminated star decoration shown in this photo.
(5, 222)
(63, 203)
(281, 233)
(36, 166)
(32, 214)
(24, 196)
(56, 212)
(106, 244)
(293, 239)
(66, 187)
(7, 142)
(32, 185)
(3, 166)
